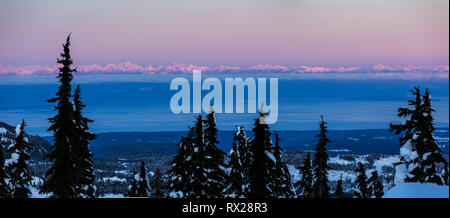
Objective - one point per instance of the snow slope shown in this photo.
(417, 190)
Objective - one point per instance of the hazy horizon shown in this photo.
(353, 61)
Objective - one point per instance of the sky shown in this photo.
(345, 59)
(231, 33)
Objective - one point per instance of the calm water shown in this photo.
(144, 106)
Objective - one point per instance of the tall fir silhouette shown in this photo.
(305, 185)
(214, 159)
(419, 153)
(263, 161)
(60, 179)
(85, 177)
(199, 183)
(4, 188)
(320, 163)
(17, 166)
(361, 182)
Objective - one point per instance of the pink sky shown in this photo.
(230, 33)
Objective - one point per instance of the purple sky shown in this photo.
(234, 33)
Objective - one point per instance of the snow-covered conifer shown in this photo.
(132, 188)
(139, 183)
(4, 188)
(180, 173)
(199, 183)
(263, 161)
(420, 154)
(17, 169)
(376, 187)
(361, 182)
(214, 159)
(282, 184)
(304, 186)
(237, 184)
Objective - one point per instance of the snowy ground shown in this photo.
(417, 190)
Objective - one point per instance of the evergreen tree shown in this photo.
(375, 185)
(139, 185)
(263, 161)
(85, 177)
(237, 181)
(339, 193)
(408, 153)
(188, 175)
(320, 186)
(361, 182)
(304, 186)
(199, 186)
(430, 150)
(157, 185)
(180, 174)
(245, 155)
(132, 189)
(17, 167)
(419, 153)
(214, 159)
(60, 178)
(142, 184)
(4, 188)
(282, 185)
